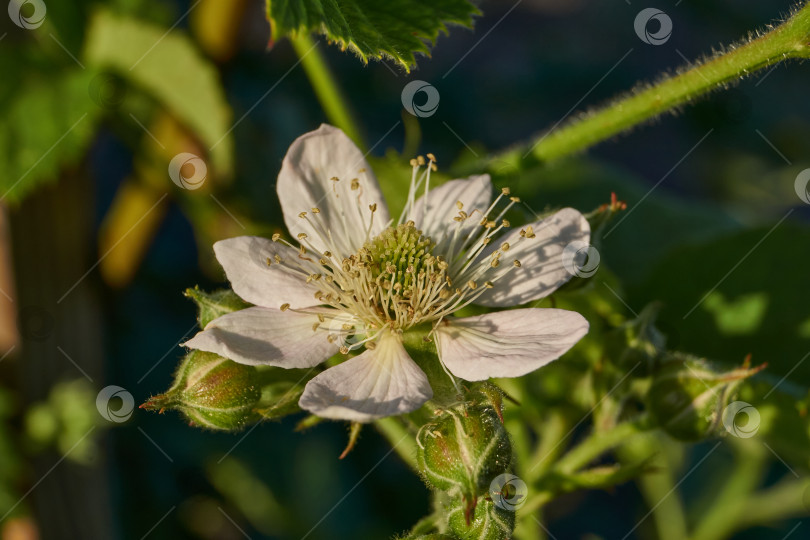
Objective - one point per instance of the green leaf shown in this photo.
(167, 65)
(372, 29)
(46, 127)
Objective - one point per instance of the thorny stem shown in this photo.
(789, 40)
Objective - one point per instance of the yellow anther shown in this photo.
(505, 246)
(276, 237)
(277, 258)
(302, 236)
(530, 232)
(284, 307)
(344, 349)
(431, 157)
(302, 215)
(488, 285)
(516, 263)
(372, 207)
(505, 223)
(472, 285)
(315, 326)
(355, 184)
(505, 191)
(420, 160)
(316, 210)
(460, 205)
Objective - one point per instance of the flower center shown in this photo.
(399, 255)
(401, 280)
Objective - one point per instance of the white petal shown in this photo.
(542, 265)
(305, 183)
(380, 382)
(244, 259)
(507, 343)
(262, 336)
(434, 213)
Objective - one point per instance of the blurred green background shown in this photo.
(99, 243)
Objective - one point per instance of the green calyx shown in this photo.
(398, 255)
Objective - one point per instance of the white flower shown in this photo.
(357, 279)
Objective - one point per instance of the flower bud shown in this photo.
(688, 395)
(463, 451)
(488, 521)
(213, 392)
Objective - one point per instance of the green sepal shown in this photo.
(486, 522)
(215, 304)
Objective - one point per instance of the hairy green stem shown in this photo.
(325, 86)
(600, 442)
(720, 519)
(782, 501)
(658, 488)
(592, 447)
(788, 40)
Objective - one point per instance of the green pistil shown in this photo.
(402, 249)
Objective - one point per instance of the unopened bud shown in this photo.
(688, 395)
(463, 451)
(213, 392)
